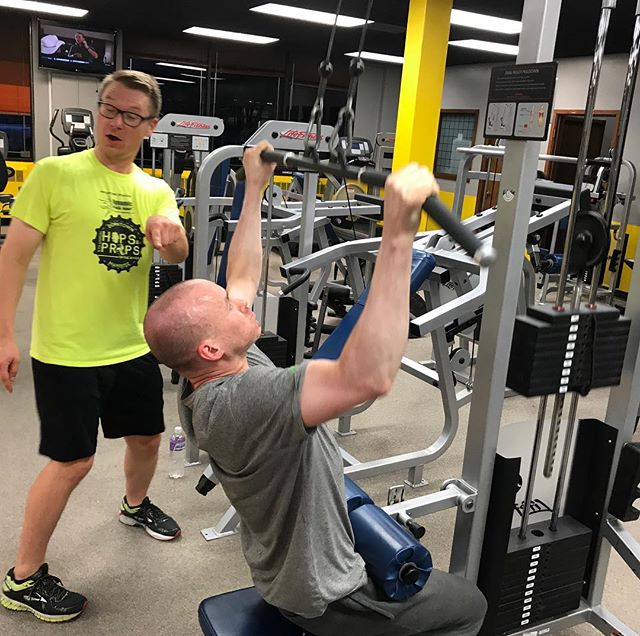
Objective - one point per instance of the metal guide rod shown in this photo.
(558, 403)
(559, 399)
(614, 174)
(483, 254)
(535, 455)
(571, 422)
(573, 409)
(605, 16)
(564, 464)
(552, 443)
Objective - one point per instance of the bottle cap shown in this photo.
(178, 431)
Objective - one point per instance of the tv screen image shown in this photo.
(67, 48)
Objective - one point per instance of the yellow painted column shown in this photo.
(425, 57)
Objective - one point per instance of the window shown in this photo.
(18, 129)
(244, 102)
(303, 97)
(15, 84)
(457, 130)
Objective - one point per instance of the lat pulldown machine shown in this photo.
(565, 554)
(547, 574)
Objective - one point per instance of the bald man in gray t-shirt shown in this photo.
(264, 430)
(286, 482)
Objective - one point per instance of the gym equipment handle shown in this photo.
(305, 274)
(416, 529)
(482, 254)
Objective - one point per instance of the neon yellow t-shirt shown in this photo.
(92, 289)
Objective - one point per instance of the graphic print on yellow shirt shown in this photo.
(119, 241)
(92, 290)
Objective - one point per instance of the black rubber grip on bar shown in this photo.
(273, 156)
(437, 210)
(305, 274)
(460, 233)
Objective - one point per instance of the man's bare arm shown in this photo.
(371, 357)
(245, 254)
(16, 254)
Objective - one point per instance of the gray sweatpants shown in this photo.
(447, 606)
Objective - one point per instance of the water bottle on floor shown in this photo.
(177, 451)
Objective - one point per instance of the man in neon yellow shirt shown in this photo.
(98, 218)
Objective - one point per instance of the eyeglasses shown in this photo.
(132, 120)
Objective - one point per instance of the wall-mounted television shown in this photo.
(76, 49)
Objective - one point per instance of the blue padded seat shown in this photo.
(243, 613)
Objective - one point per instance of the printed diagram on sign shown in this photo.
(532, 120)
(500, 119)
(520, 101)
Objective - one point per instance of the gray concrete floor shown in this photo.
(137, 585)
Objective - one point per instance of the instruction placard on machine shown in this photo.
(520, 101)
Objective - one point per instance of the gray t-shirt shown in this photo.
(286, 482)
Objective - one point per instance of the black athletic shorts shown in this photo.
(126, 398)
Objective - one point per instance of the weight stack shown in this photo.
(161, 277)
(564, 568)
(543, 574)
(563, 351)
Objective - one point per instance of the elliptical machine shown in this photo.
(77, 124)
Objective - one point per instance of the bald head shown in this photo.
(179, 320)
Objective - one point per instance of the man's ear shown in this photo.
(151, 125)
(209, 350)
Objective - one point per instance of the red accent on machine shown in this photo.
(189, 123)
(297, 134)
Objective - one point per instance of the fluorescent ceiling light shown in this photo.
(483, 45)
(189, 68)
(378, 57)
(173, 79)
(485, 22)
(43, 7)
(308, 15)
(230, 35)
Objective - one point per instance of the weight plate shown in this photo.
(590, 242)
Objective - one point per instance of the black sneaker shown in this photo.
(158, 524)
(43, 595)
